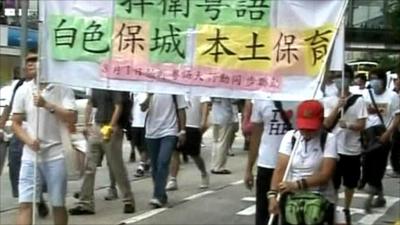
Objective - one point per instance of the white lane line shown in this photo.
(237, 182)
(198, 195)
(143, 216)
(339, 209)
(248, 211)
(356, 195)
(379, 212)
(249, 199)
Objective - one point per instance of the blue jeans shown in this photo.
(160, 150)
(14, 163)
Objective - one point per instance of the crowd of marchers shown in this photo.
(344, 139)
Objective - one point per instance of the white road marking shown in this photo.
(198, 195)
(249, 199)
(366, 219)
(237, 182)
(379, 212)
(248, 211)
(143, 216)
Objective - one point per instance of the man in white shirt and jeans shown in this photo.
(56, 108)
(165, 124)
(347, 130)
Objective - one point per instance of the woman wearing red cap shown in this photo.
(311, 168)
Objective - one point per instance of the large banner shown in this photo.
(226, 48)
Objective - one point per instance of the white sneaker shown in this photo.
(156, 203)
(172, 185)
(205, 182)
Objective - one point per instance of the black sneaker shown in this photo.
(378, 202)
(79, 210)
(139, 170)
(129, 208)
(42, 209)
(347, 216)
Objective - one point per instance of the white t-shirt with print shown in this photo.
(308, 158)
(162, 120)
(49, 126)
(138, 116)
(348, 141)
(265, 112)
(222, 111)
(387, 103)
(193, 112)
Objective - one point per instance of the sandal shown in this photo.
(221, 172)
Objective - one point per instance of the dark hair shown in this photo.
(32, 51)
(362, 77)
(380, 74)
(348, 72)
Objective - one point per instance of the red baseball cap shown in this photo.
(310, 115)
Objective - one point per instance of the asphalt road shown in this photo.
(227, 201)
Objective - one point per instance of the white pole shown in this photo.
(285, 176)
(337, 25)
(37, 83)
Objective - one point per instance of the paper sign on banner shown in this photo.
(80, 38)
(131, 40)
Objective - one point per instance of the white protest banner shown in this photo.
(228, 48)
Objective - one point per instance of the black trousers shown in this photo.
(395, 152)
(264, 176)
(374, 166)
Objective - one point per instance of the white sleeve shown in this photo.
(205, 99)
(180, 100)
(329, 104)
(330, 150)
(68, 98)
(394, 104)
(256, 114)
(286, 143)
(19, 100)
(362, 106)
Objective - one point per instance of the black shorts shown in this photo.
(192, 144)
(349, 168)
(138, 139)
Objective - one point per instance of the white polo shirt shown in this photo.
(348, 141)
(222, 111)
(193, 112)
(49, 126)
(162, 120)
(308, 158)
(264, 111)
(138, 117)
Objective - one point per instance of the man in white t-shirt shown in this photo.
(347, 128)
(269, 126)
(222, 120)
(42, 138)
(387, 103)
(165, 130)
(196, 123)
(138, 134)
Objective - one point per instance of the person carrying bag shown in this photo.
(306, 164)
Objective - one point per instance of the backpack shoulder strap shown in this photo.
(293, 139)
(322, 139)
(19, 84)
(284, 117)
(349, 103)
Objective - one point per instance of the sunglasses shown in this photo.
(31, 60)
